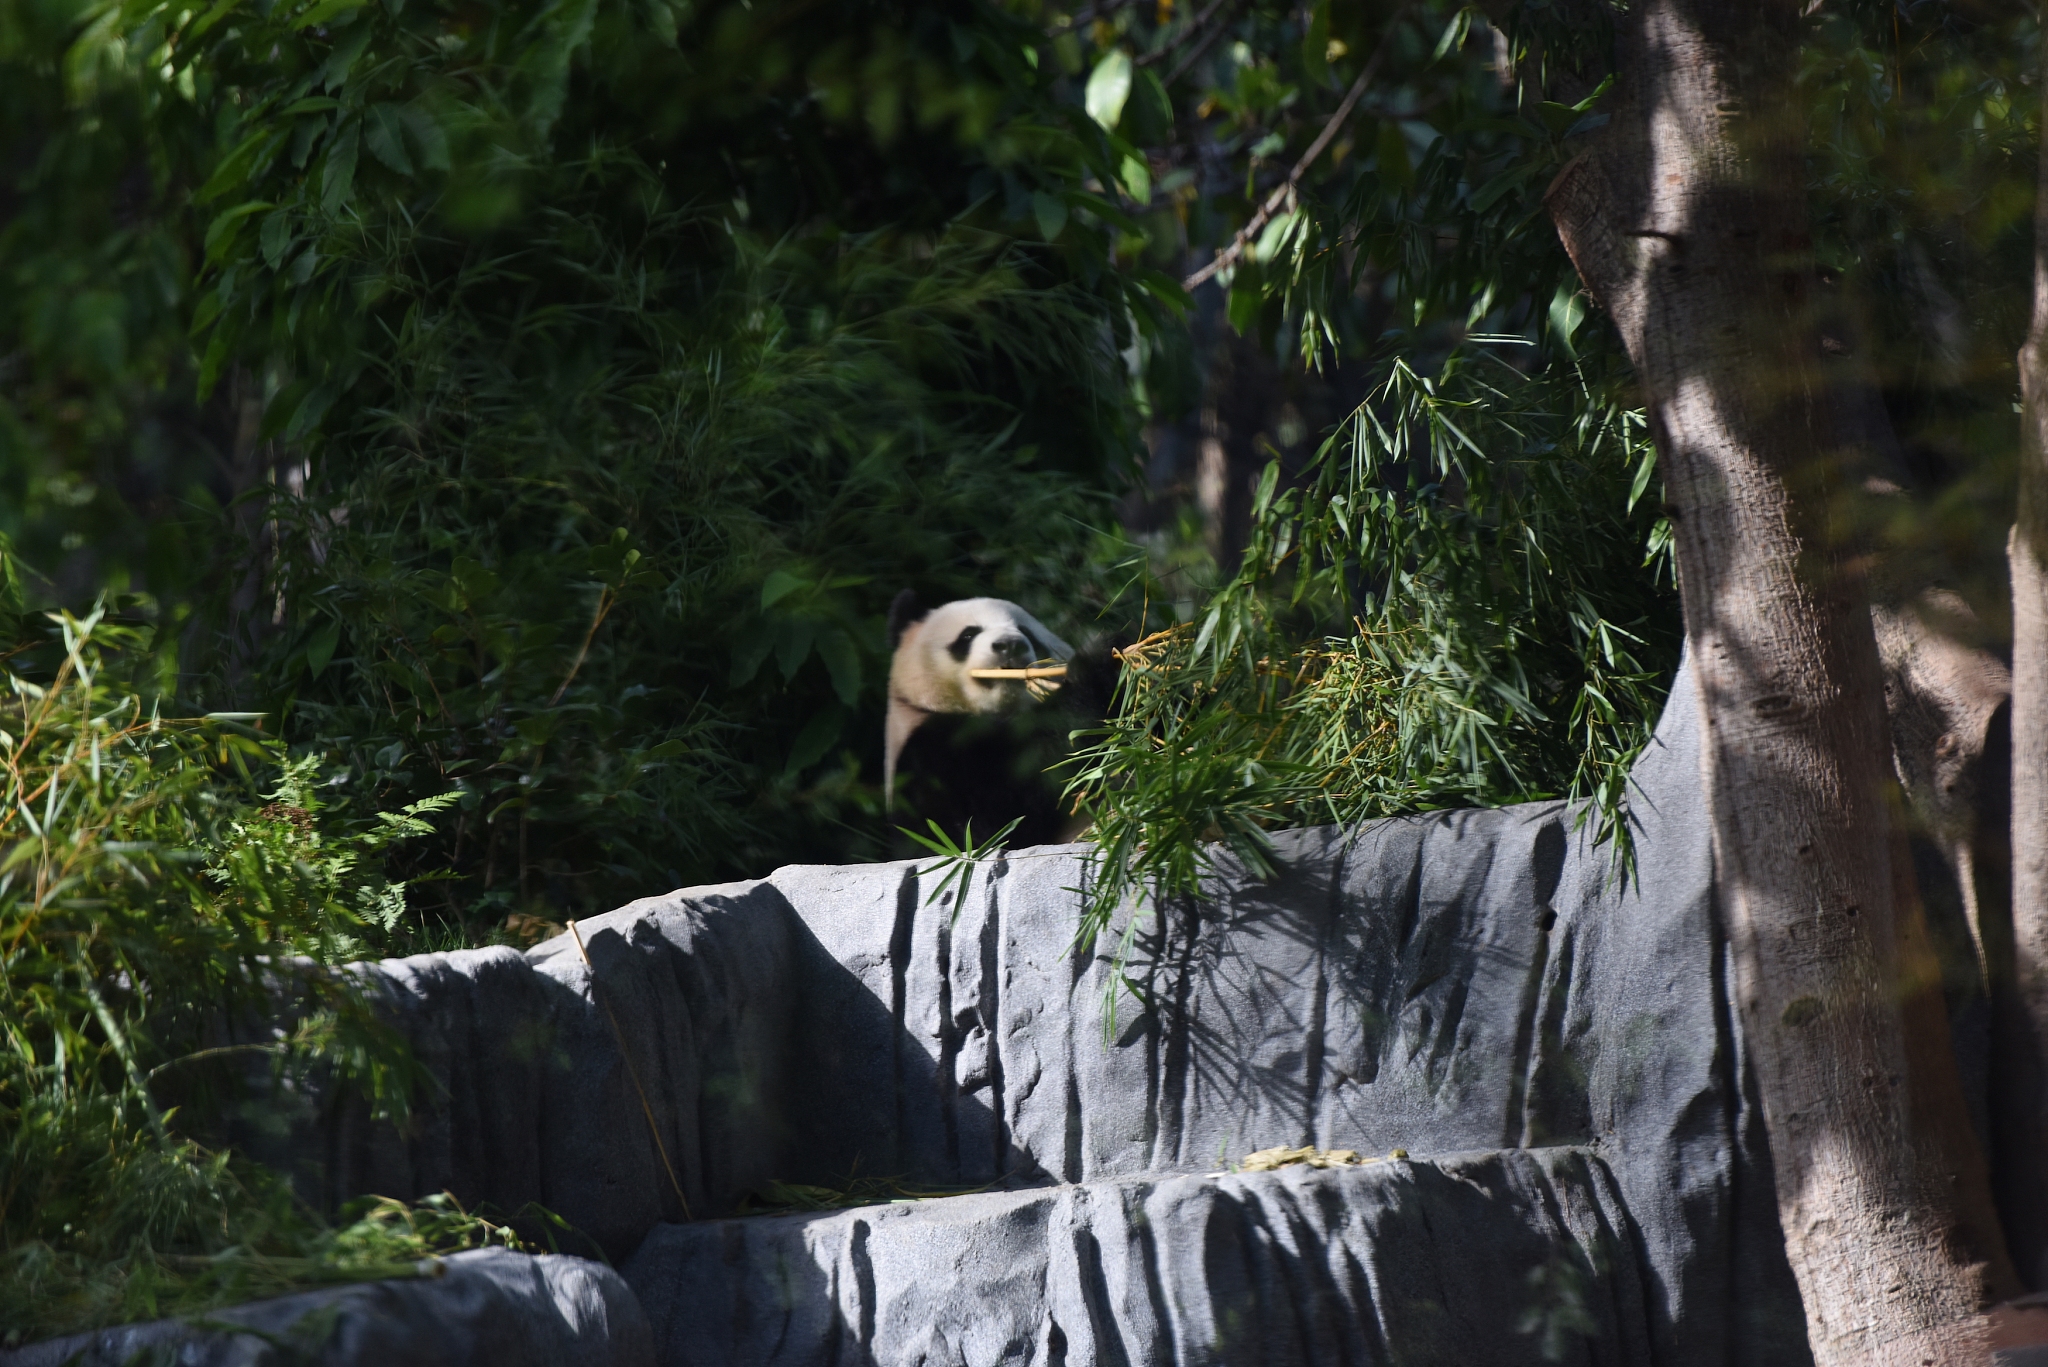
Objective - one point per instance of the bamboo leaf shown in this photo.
(338, 173)
(1109, 85)
(326, 12)
(384, 131)
(842, 661)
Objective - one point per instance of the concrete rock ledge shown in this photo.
(1490, 1258)
(1477, 988)
(488, 1308)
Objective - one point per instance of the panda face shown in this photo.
(936, 654)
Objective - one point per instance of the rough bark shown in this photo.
(2027, 1020)
(1687, 224)
(1941, 695)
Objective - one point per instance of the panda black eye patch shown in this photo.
(963, 643)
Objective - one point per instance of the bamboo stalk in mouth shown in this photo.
(1036, 672)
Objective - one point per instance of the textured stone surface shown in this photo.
(1458, 981)
(489, 1308)
(531, 1098)
(1465, 1260)
(1474, 983)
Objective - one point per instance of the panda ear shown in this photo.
(902, 613)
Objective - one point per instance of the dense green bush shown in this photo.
(160, 876)
(626, 594)
(581, 382)
(1505, 630)
(623, 414)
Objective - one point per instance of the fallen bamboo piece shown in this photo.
(1036, 672)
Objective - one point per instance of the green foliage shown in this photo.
(1423, 210)
(148, 895)
(1925, 132)
(1508, 638)
(607, 417)
(575, 387)
(617, 572)
(100, 439)
(956, 860)
(1458, 600)
(597, 452)
(362, 137)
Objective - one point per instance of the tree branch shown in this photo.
(606, 601)
(1194, 26)
(1284, 192)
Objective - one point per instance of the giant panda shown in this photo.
(967, 749)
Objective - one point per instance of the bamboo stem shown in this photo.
(1037, 672)
(1283, 193)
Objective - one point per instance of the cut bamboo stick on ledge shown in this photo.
(1035, 672)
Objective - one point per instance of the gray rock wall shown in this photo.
(1458, 981)
(530, 1098)
(486, 1307)
(1469, 1259)
(1473, 984)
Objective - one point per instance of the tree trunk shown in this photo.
(1687, 223)
(1941, 696)
(2027, 1022)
